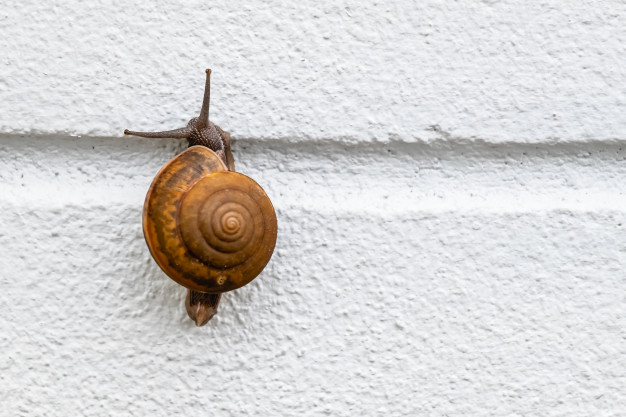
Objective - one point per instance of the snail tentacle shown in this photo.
(203, 120)
(181, 133)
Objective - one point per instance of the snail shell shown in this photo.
(209, 229)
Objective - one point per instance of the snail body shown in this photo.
(208, 227)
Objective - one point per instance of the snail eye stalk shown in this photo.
(203, 120)
(182, 133)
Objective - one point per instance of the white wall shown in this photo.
(449, 184)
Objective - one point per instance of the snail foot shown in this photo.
(202, 306)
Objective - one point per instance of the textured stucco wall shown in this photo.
(449, 184)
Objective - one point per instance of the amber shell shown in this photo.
(209, 229)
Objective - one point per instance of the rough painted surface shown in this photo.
(440, 279)
(449, 184)
(389, 70)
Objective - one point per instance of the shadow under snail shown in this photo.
(208, 227)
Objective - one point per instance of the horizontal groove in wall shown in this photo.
(433, 136)
(330, 178)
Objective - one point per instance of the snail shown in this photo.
(208, 227)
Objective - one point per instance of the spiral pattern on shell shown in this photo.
(222, 221)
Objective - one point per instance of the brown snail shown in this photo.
(208, 227)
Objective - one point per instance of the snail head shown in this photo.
(199, 130)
